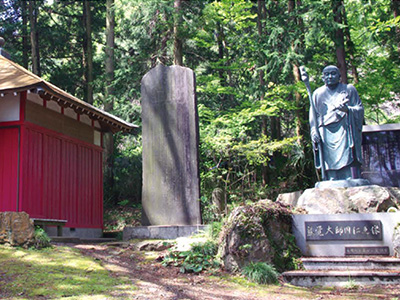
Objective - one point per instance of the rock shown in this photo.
(118, 244)
(289, 198)
(362, 199)
(396, 241)
(260, 232)
(218, 200)
(152, 245)
(16, 229)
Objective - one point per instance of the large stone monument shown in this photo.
(171, 184)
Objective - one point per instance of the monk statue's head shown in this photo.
(331, 76)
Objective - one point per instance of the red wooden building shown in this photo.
(51, 152)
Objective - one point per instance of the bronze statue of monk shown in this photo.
(336, 119)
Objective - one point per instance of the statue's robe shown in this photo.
(340, 132)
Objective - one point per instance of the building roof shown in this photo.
(14, 78)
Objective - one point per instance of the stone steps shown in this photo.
(344, 271)
(351, 263)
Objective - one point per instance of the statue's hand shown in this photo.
(315, 136)
(342, 106)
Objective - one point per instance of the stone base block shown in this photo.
(161, 232)
(342, 183)
(83, 233)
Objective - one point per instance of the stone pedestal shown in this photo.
(362, 199)
(346, 234)
(342, 183)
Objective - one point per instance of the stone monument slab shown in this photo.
(345, 234)
(381, 153)
(171, 182)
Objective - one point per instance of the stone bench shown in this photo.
(50, 222)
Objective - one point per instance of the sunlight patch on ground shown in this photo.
(54, 273)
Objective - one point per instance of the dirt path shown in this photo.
(157, 282)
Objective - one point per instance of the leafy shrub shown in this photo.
(215, 230)
(201, 257)
(41, 238)
(116, 218)
(261, 272)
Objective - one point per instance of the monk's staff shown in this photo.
(304, 78)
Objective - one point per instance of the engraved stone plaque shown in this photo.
(343, 230)
(367, 251)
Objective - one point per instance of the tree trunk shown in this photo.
(164, 43)
(223, 53)
(302, 130)
(220, 52)
(350, 48)
(275, 121)
(338, 6)
(396, 13)
(108, 140)
(33, 12)
(25, 42)
(261, 15)
(296, 77)
(260, 28)
(88, 52)
(178, 57)
(109, 64)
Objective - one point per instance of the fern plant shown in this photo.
(42, 240)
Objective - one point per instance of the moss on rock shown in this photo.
(259, 232)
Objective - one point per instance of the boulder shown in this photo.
(16, 229)
(148, 245)
(361, 199)
(218, 201)
(289, 198)
(396, 241)
(259, 232)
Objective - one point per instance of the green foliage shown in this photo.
(207, 210)
(253, 130)
(116, 218)
(201, 257)
(127, 184)
(261, 273)
(41, 238)
(215, 229)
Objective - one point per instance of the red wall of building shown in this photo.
(9, 168)
(61, 178)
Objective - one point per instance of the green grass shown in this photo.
(261, 272)
(57, 272)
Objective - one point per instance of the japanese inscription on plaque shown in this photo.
(343, 230)
(367, 251)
